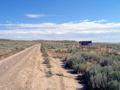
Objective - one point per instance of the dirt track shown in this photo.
(26, 71)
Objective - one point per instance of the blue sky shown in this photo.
(97, 20)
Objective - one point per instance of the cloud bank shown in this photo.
(35, 15)
(99, 30)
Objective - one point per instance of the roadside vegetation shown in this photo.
(10, 47)
(100, 72)
(45, 55)
(98, 64)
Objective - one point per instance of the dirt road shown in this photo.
(26, 71)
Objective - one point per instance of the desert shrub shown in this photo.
(96, 79)
(114, 85)
(90, 56)
(101, 78)
(49, 74)
(80, 68)
(106, 61)
(115, 75)
(74, 60)
(116, 67)
(45, 55)
(43, 50)
(109, 60)
(79, 58)
(57, 50)
(50, 46)
(72, 50)
(46, 60)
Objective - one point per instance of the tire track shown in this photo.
(8, 77)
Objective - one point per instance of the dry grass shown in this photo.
(10, 47)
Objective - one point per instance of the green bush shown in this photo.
(74, 60)
(77, 60)
(114, 85)
(46, 60)
(109, 60)
(96, 79)
(44, 53)
(80, 68)
(42, 48)
(101, 78)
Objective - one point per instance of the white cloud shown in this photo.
(35, 15)
(68, 28)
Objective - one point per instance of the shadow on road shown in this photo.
(79, 77)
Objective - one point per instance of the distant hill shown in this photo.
(5, 40)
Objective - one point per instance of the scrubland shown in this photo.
(97, 66)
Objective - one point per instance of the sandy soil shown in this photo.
(26, 71)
